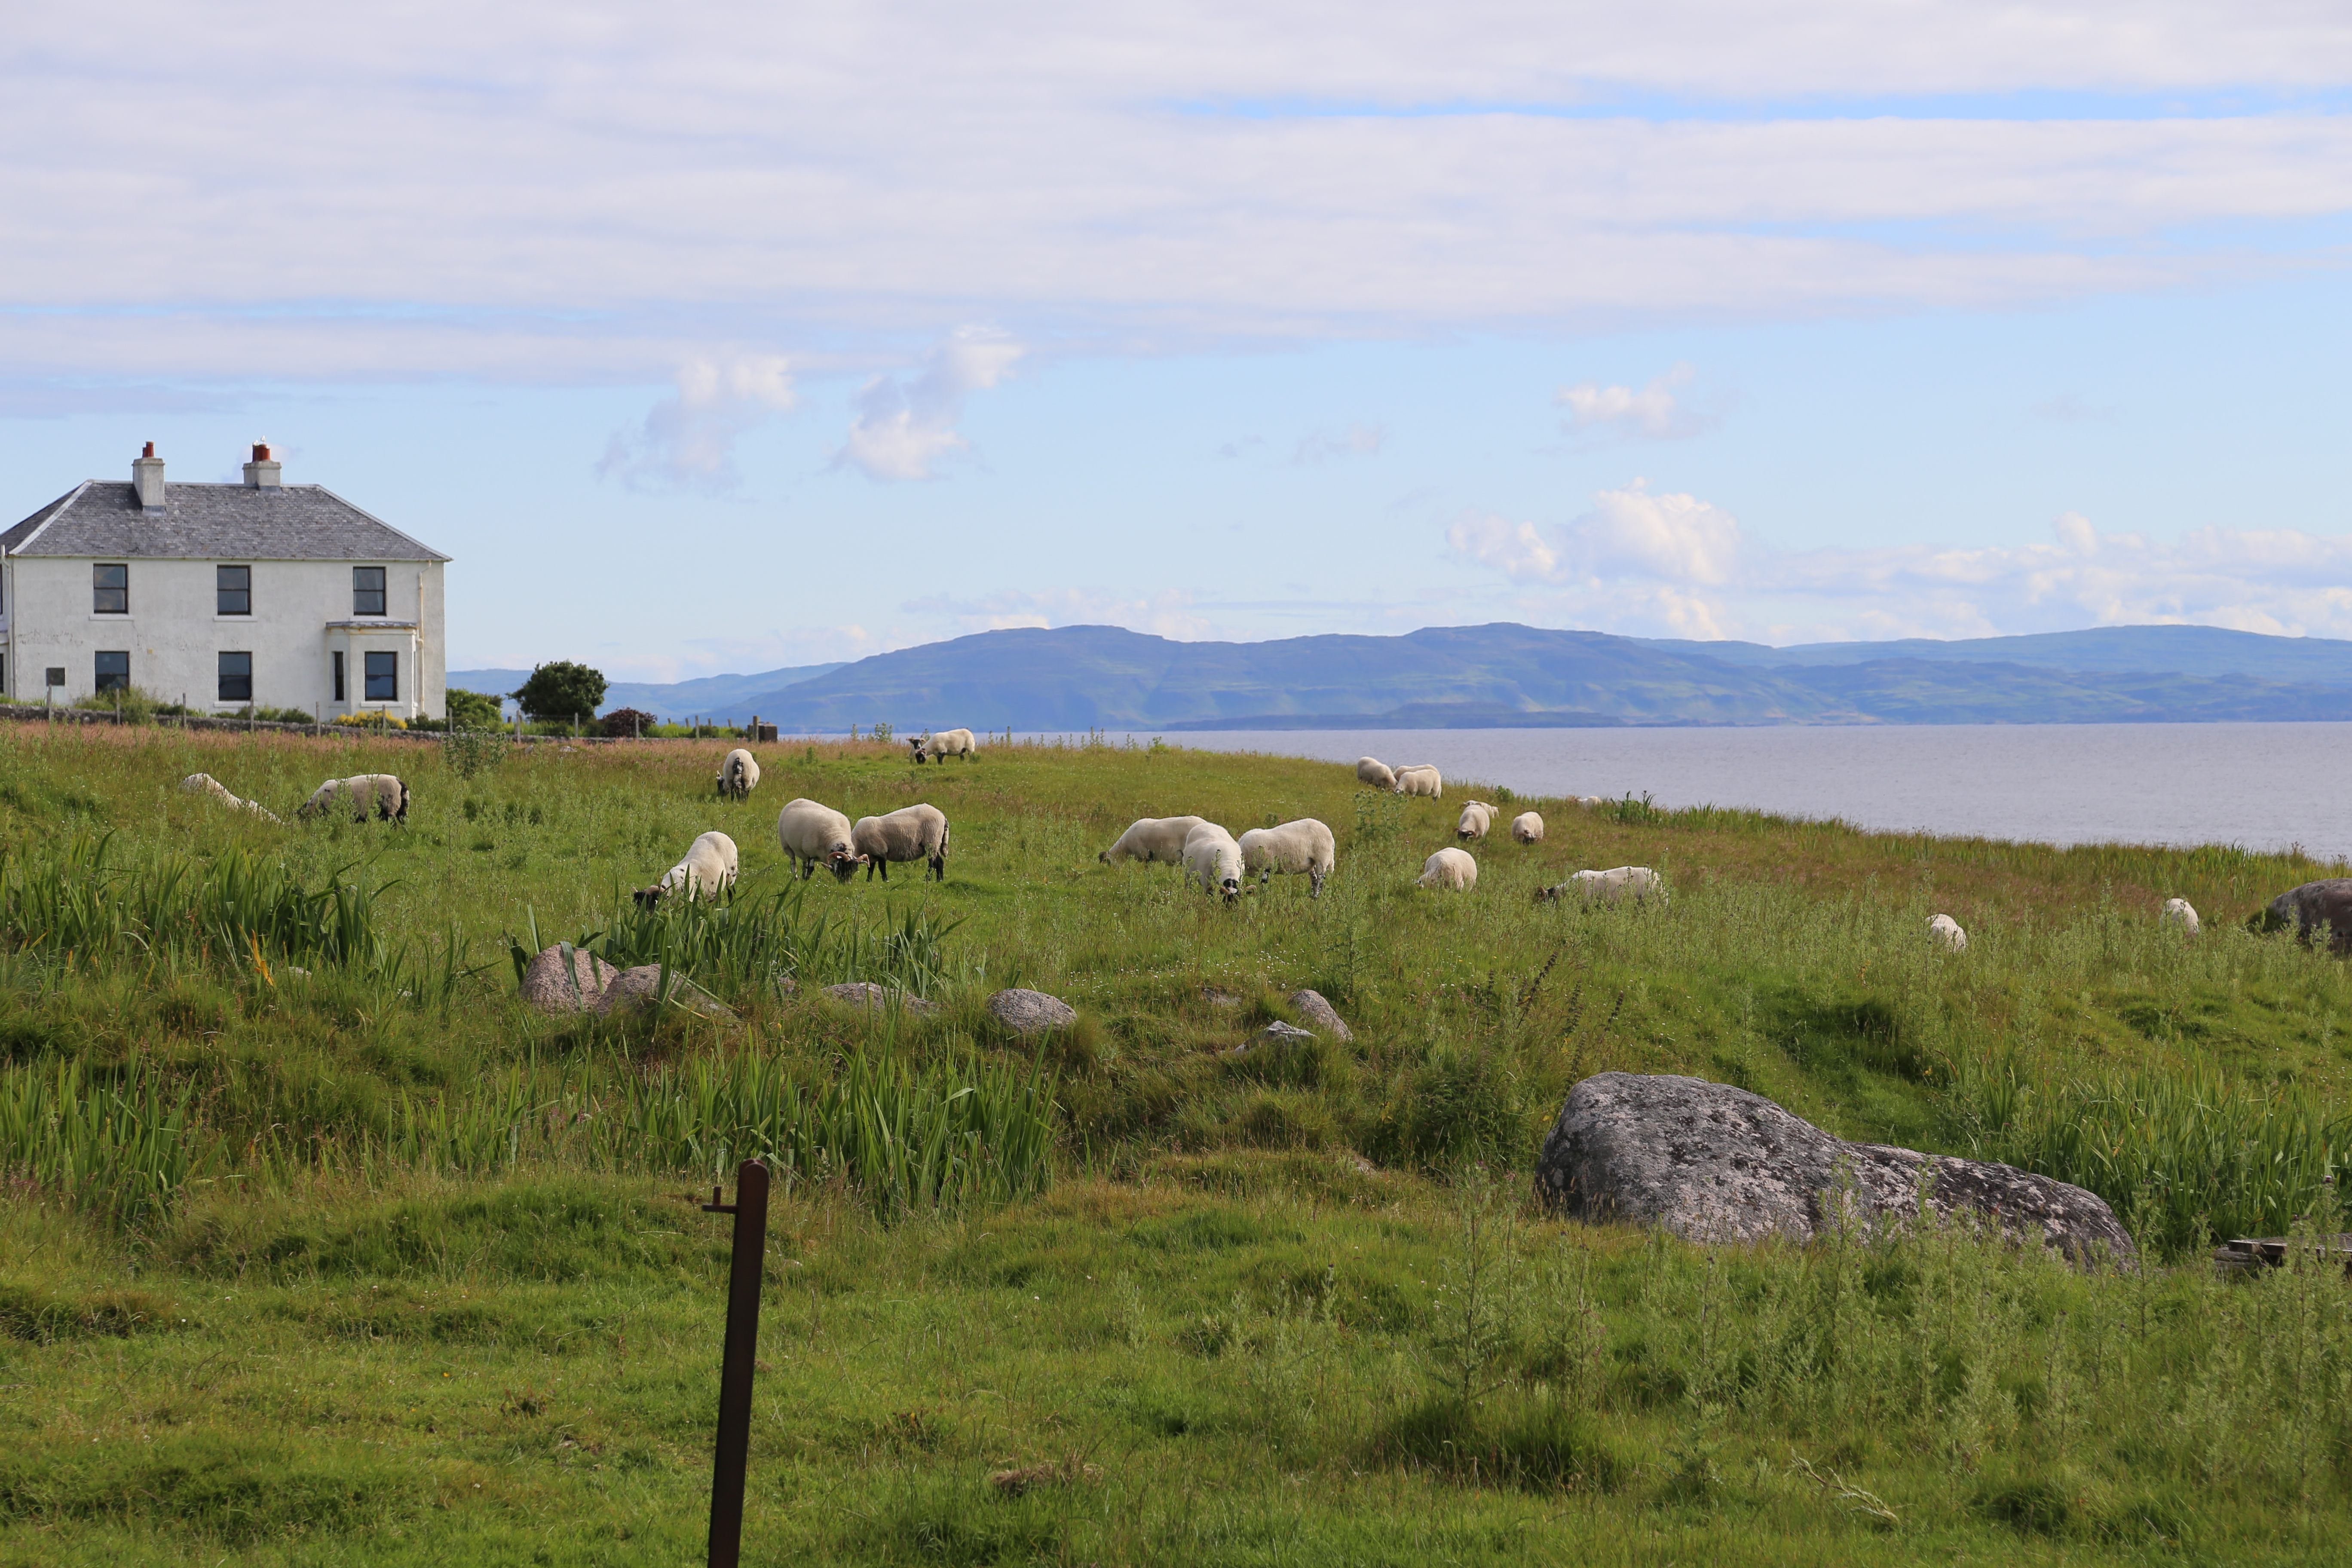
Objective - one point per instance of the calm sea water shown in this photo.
(2265, 786)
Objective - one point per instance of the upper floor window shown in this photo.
(110, 590)
(367, 590)
(233, 590)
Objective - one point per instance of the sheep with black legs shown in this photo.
(738, 774)
(381, 794)
(1617, 884)
(815, 835)
(708, 870)
(1527, 827)
(1212, 860)
(944, 744)
(910, 833)
(1304, 847)
(1421, 779)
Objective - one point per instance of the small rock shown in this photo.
(1031, 1012)
(564, 979)
(1715, 1163)
(1320, 1016)
(1216, 998)
(641, 987)
(877, 998)
(1281, 1034)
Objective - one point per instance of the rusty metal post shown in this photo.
(750, 1210)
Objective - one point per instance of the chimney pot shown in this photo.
(262, 473)
(147, 478)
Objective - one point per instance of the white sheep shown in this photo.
(708, 870)
(1159, 838)
(946, 744)
(1305, 846)
(1452, 869)
(382, 794)
(1212, 860)
(815, 835)
(1421, 778)
(1638, 883)
(1527, 828)
(910, 833)
(738, 774)
(1477, 816)
(1375, 772)
(1589, 801)
(1946, 930)
(2182, 914)
(204, 783)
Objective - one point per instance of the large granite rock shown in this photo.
(642, 987)
(2312, 907)
(566, 979)
(1031, 1012)
(1320, 1016)
(1711, 1164)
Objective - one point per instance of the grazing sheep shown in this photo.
(1946, 930)
(1420, 779)
(2182, 914)
(1527, 828)
(708, 869)
(204, 783)
(945, 744)
(1451, 869)
(1212, 860)
(1589, 801)
(1375, 772)
(1477, 816)
(910, 833)
(1159, 838)
(381, 792)
(815, 835)
(1305, 844)
(1638, 883)
(738, 775)
(2327, 902)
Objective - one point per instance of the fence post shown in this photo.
(735, 1367)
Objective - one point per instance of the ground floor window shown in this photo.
(383, 677)
(114, 671)
(237, 678)
(339, 677)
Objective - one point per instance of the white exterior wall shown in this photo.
(302, 616)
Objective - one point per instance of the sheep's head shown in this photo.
(1231, 888)
(918, 745)
(1104, 857)
(646, 897)
(845, 864)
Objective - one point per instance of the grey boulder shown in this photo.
(2308, 909)
(1320, 1016)
(566, 979)
(642, 987)
(1031, 1012)
(1713, 1163)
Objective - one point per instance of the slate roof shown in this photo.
(212, 523)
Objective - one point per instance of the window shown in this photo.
(237, 678)
(367, 590)
(115, 670)
(111, 594)
(339, 677)
(383, 677)
(233, 590)
(57, 674)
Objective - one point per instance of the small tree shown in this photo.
(473, 709)
(623, 723)
(561, 691)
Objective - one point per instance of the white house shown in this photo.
(282, 595)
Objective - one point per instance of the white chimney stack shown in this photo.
(262, 472)
(147, 478)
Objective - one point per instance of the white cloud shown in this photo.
(1654, 413)
(1676, 565)
(1358, 440)
(905, 430)
(688, 439)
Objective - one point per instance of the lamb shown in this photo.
(1450, 868)
(204, 783)
(1638, 883)
(738, 775)
(1212, 860)
(1374, 773)
(1527, 828)
(1305, 844)
(708, 869)
(814, 834)
(1159, 838)
(1420, 779)
(910, 833)
(2182, 914)
(382, 792)
(1946, 930)
(945, 744)
(1477, 816)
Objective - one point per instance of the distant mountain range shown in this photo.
(1079, 678)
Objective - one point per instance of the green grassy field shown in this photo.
(370, 1264)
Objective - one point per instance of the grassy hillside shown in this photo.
(370, 1263)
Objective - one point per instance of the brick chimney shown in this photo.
(262, 472)
(147, 478)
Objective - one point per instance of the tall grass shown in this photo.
(124, 1150)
